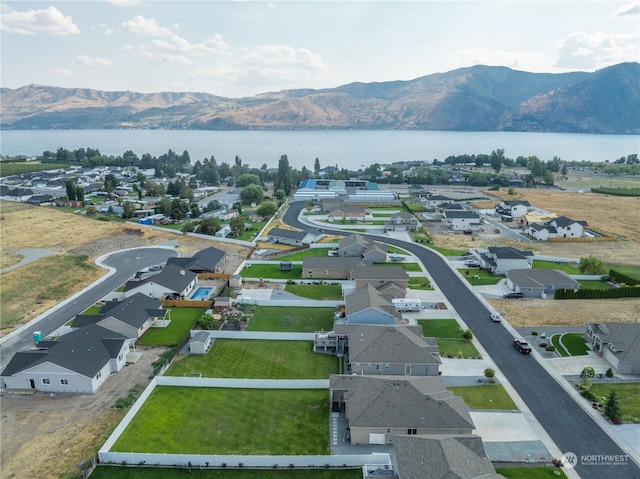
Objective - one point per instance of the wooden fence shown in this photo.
(225, 276)
(187, 303)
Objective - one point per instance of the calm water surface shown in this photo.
(347, 149)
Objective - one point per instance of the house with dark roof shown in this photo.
(131, 317)
(331, 267)
(208, 260)
(446, 456)
(457, 220)
(378, 408)
(291, 237)
(434, 201)
(402, 221)
(359, 246)
(513, 208)
(539, 283)
(418, 191)
(78, 362)
(561, 227)
(351, 213)
(172, 282)
(500, 259)
(396, 350)
(367, 306)
(378, 276)
(37, 199)
(618, 343)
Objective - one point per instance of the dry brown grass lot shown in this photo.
(49, 437)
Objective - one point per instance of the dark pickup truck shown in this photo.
(522, 346)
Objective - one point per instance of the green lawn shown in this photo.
(452, 347)
(291, 319)
(555, 341)
(483, 277)
(573, 342)
(628, 395)
(316, 291)
(182, 320)
(411, 267)
(448, 251)
(300, 255)
(532, 472)
(566, 267)
(420, 282)
(271, 271)
(489, 396)
(110, 472)
(257, 359)
(230, 421)
(440, 328)
(593, 284)
(632, 271)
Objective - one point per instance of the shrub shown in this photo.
(588, 395)
(467, 335)
(550, 348)
(609, 373)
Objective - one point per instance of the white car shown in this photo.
(495, 317)
(471, 263)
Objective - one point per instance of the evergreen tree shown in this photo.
(612, 407)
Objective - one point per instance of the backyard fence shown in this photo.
(187, 303)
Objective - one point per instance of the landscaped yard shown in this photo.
(108, 472)
(453, 348)
(291, 319)
(573, 342)
(253, 359)
(593, 284)
(479, 277)
(447, 251)
(271, 271)
(489, 396)
(532, 472)
(230, 421)
(566, 267)
(440, 328)
(300, 255)
(316, 291)
(628, 395)
(420, 282)
(182, 320)
(409, 267)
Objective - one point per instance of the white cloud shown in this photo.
(592, 51)
(63, 72)
(629, 9)
(49, 21)
(92, 61)
(166, 46)
(530, 61)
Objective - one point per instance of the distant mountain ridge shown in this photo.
(479, 98)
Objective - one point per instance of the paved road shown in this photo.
(566, 422)
(126, 263)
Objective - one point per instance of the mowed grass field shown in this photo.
(182, 320)
(257, 359)
(230, 421)
(291, 319)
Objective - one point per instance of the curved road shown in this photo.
(566, 422)
(124, 263)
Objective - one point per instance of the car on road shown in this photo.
(522, 346)
(496, 318)
(513, 294)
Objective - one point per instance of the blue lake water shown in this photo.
(346, 148)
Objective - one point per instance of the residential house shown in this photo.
(291, 237)
(172, 282)
(402, 221)
(380, 275)
(78, 362)
(455, 456)
(358, 246)
(434, 201)
(131, 317)
(396, 350)
(378, 408)
(352, 214)
(449, 206)
(223, 232)
(561, 227)
(539, 283)
(367, 306)
(618, 343)
(208, 260)
(500, 259)
(38, 199)
(456, 220)
(513, 208)
(200, 343)
(418, 191)
(331, 267)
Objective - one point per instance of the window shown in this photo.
(98, 375)
(379, 367)
(120, 357)
(64, 382)
(46, 381)
(412, 431)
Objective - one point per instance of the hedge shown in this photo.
(623, 278)
(625, 292)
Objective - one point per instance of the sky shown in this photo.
(243, 48)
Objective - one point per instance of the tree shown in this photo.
(237, 225)
(247, 179)
(467, 335)
(195, 210)
(188, 227)
(91, 210)
(497, 156)
(316, 167)
(164, 206)
(178, 209)
(490, 375)
(612, 407)
(280, 195)
(266, 209)
(251, 194)
(284, 179)
(209, 226)
(591, 265)
(587, 375)
(71, 189)
(110, 183)
(128, 209)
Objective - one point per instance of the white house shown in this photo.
(456, 220)
(499, 260)
(172, 281)
(513, 208)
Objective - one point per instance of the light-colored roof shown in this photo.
(541, 278)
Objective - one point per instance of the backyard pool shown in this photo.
(201, 293)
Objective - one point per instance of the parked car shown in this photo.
(513, 294)
(495, 317)
(522, 346)
(471, 263)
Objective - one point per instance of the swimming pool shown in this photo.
(201, 293)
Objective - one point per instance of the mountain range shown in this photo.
(478, 98)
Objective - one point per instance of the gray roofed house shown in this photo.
(618, 343)
(366, 306)
(389, 350)
(131, 317)
(358, 245)
(330, 267)
(455, 456)
(380, 407)
(500, 259)
(539, 283)
(402, 221)
(380, 275)
(172, 281)
(205, 261)
(78, 362)
(457, 220)
(291, 237)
